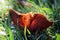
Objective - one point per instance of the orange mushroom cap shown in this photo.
(33, 23)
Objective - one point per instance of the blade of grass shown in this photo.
(25, 33)
(28, 32)
(18, 33)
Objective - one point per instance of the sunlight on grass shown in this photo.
(58, 36)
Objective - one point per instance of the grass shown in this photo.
(41, 9)
(58, 36)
